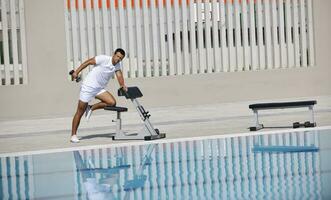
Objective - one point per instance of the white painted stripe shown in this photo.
(4, 175)
(184, 172)
(168, 170)
(13, 185)
(199, 169)
(161, 174)
(30, 177)
(215, 172)
(191, 159)
(175, 172)
(245, 169)
(22, 177)
(206, 168)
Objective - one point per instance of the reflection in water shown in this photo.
(99, 182)
(224, 168)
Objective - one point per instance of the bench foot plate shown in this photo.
(256, 128)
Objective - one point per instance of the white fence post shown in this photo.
(6, 61)
(310, 36)
(185, 34)
(178, 52)
(155, 40)
(147, 46)
(237, 35)
(162, 32)
(193, 47)
(215, 42)
(13, 59)
(200, 37)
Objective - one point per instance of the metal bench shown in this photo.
(283, 105)
(148, 132)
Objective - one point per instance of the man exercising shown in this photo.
(94, 86)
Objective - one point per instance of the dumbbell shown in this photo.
(77, 79)
(306, 124)
(296, 124)
(309, 124)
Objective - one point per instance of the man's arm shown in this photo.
(120, 79)
(88, 62)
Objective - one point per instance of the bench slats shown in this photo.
(282, 104)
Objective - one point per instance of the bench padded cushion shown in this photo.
(282, 104)
(132, 93)
(115, 108)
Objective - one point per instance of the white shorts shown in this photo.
(88, 93)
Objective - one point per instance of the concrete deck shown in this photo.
(177, 122)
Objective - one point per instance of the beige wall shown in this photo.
(49, 93)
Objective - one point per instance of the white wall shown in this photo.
(49, 93)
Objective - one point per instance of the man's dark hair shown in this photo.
(121, 51)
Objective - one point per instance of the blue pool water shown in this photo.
(289, 165)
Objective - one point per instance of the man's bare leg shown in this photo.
(78, 115)
(106, 99)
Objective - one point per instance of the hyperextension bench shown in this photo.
(283, 105)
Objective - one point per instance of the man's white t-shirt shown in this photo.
(101, 73)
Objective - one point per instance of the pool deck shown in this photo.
(177, 122)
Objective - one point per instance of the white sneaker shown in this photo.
(74, 139)
(88, 112)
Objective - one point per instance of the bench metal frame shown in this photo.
(147, 132)
(259, 126)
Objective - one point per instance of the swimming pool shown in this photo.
(294, 164)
